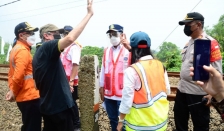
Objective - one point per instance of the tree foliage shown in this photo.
(90, 50)
(3, 56)
(217, 32)
(167, 50)
(169, 54)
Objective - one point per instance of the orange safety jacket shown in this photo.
(149, 111)
(20, 77)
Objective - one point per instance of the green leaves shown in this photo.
(169, 54)
(217, 32)
(90, 50)
(3, 56)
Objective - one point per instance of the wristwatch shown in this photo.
(219, 106)
(120, 120)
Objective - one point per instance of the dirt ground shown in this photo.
(10, 117)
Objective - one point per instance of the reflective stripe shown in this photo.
(13, 61)
(28, 77)
(145, 80)
(150, 103)
(146, 128)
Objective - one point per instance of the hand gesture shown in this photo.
(89, 7)
(214, 86)
(124, 41)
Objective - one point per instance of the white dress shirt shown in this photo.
(132, 82)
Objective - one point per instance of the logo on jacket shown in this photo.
(125, 58)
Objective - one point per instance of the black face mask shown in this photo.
(187, 30)
(57, 36)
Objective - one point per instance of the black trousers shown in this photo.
(31, 116)
(200, 114)
(63, 121)
(76, 110)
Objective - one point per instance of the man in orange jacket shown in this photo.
(20, 78)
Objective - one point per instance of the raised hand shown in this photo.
(124, 41)
(89, 7)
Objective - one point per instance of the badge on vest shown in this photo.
(125, 58)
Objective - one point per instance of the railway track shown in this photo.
(4, 72)
(171, 97)
(173, 89)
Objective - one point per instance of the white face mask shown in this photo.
(114, 40)
(31, 40)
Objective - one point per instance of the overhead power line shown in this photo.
(177, 26)
(41, 8)
(9, 3)
(49, 12)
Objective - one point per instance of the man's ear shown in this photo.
(20, 35)
(199, 24)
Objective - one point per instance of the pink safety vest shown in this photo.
(113, 76)
(68, 64)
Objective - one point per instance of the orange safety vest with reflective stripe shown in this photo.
(20, 77)
(113, 76)
(67, 64)
(150, 107)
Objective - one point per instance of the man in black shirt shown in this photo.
(55, 95)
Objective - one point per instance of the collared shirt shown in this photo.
(186, 85)
(115, 55)
(132, 82)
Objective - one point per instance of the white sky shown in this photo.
(155, 17)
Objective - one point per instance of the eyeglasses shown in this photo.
(114, 33)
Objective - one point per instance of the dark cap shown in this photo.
(139, 37)
(23, 27)
(48, 28)
(191, 17)
(115, 27)
(66, 29)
